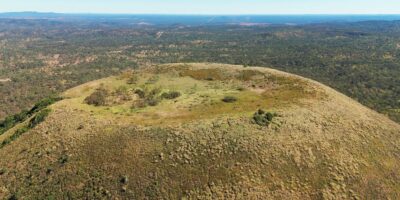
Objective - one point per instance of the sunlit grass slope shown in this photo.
(188, 131)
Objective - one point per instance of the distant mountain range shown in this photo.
(158, 19)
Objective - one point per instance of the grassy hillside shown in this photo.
(40, 57)
(195, 131)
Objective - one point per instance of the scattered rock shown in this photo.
(124, 179)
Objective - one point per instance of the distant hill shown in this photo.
(201, 131)
(157, 19)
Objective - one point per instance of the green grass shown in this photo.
(195, 96)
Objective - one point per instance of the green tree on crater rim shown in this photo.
(98, 97)
(263, 118)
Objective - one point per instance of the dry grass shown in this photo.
(322, 144)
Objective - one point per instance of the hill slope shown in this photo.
(194, 131)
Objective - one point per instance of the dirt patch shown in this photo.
(247, 75)
(5, 80)
(204, 74)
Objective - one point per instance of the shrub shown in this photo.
(150, 98)
(154, 92)
(13, 137)
(152, 101)
(11, 121)
(263, 118)
(39, 117)
(121, 90)
(152, 80)
(133, 79)
(98, 97)
(229, 99)
(19, 132)
(140, 93)
(124, 179)
(2, 171)
(140, 103)
(7, 123)
(13, 197)
(241, 88)
(123, 93)
(63, 159)
(171, 95)
(44, 103)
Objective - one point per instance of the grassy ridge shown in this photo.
(36, 119)
(197, 146)
(10, 121)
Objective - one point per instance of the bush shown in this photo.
(124, 179)
(152, 101)
(140, 103)
(240, 89)
(44, 103)
(263, 118)
(13, 137)
(123, 93)
(98, 97)
(38, 118)
(229, 99)
(152, 80)
(154, 92)
(150, 98)
(140, 93)
(133, 79)
(19, 132)
(171, 95)
(63, 159)
(7, 123)
(11, 121)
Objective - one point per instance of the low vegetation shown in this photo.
(44, 103)
(36, 119)
(229, 99)
(39, 117)
(123, 93)
(14, 136)
(187, 96)
(170, 95)
(263, 118)
(11, 121)
(132, 79)
(198, 147)
(98, 97)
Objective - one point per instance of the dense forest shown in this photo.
(40, 57)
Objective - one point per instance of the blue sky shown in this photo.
(206, 6)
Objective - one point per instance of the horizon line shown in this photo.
(200, 14)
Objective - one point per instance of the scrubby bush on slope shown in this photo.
(229, 99)
(171, 95)
(98, 97)
(263, 118)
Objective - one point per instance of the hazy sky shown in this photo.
(206, 6)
